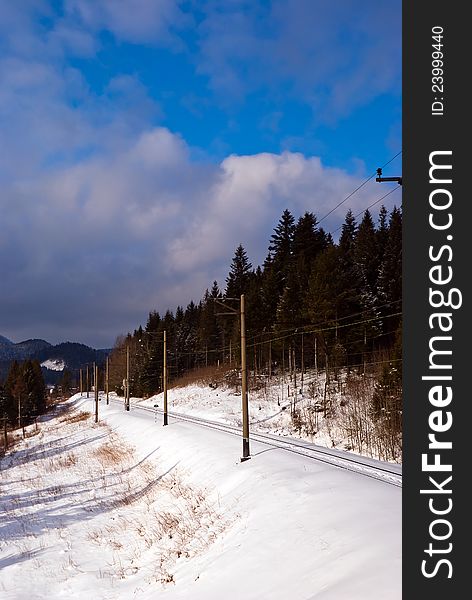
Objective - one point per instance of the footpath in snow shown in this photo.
(127, 508)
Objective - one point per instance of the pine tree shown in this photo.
(382, 232)
(308, 240)
(153, 322)
(66, 382)
(281, 248)
(269, 293)
(390, 277)
(348, 234)
(14, 390)
(367, 262)
(350, 300)
(289, 310)
(391, 271)
(239, 277)
(24, 391)
(209, 332)
(39, 388)
(324, 299)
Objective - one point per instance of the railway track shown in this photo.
(385, 472)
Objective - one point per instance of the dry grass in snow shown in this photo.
(77, 503)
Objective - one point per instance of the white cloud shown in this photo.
(102, 241)
(130, 20)
(105, 216)
(247, 199)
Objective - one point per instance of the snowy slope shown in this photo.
(269, 411)
(54, 364)
(129, 509)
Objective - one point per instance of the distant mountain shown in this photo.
(22, 350)
(72, 354)
(30, 348)
(54, 359)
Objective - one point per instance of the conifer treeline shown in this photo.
(23, 395)
(327, 304)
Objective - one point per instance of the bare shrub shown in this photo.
(367, 433)
(355, 416)
(212, 375)
(111, 454)
(60, 462)
(75, 417)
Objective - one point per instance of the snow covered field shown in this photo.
(270, 410)
(129, 509)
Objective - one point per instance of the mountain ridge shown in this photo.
(74, 355)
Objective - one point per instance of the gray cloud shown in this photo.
(105, 217)
(88, 249)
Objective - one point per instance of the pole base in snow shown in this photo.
(246, 454)
(165, 419)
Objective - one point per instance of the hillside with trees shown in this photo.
(23, 395)
(313, 304)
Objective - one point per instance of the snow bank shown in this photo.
(88, 510)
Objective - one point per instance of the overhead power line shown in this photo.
(370, 206)
(358, 188)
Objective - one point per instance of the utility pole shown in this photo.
(81, 382)
(246, 453)
(303, 362)
(87, 381)
(107, 379)
(244, 397)
(164, 377)
(127, 380)
(95, 387)
(283, 369)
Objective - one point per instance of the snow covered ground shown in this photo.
(54, 364)
(270, 410)
(129, 509)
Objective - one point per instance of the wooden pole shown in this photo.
(127, 379)
(283, 369)
(87, 381)
(244, 397)
(95, 388)
(164, 377)
(107, 379)
(81, 384)
(303, 362)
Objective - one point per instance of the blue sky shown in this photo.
(137, 134)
